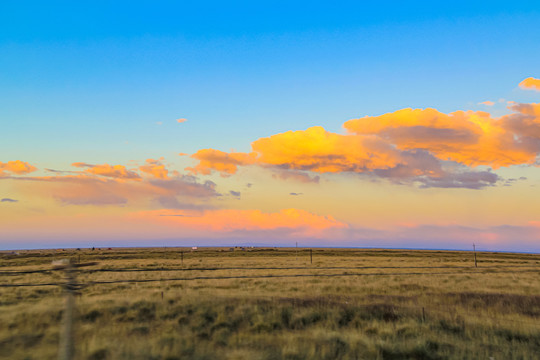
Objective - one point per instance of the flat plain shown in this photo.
(274, 303)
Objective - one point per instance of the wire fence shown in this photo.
(416, 309)
(267, 276)
(71, 286)
(164, 269)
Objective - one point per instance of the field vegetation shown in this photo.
(214, 303)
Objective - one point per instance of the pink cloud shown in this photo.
(294, 221)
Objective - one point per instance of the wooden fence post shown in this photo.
(67, 343)
(67, 346)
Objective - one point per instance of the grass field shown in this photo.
(275, 304)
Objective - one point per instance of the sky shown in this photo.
(394, 124)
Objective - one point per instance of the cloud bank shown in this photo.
(292, 221)
(421, 146)
(106, 184)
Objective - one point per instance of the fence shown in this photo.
(71, 286)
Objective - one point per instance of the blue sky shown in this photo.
(103, 83)
(110, 72)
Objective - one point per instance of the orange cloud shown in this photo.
(181, 120)
(404, 143)
(487, 103)
(226, 163)
(16, 167)
(229, 220)
(408, 145)
(112, 171)
(530, 83)
(318, 150)
(155, 168)
(471, 138)
(314, 149)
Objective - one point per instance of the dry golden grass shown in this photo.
(374, 304)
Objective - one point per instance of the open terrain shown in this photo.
(214, 303)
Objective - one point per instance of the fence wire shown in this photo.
(268, 276)
(48, 271)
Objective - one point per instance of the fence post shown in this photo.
(311, 255)
(67, 346)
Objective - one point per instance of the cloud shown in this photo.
(87, 189)
(467, 137)
(61, 171)
(318, 150)
(184, 192)
(236, 194)
(422, 146)
(8, 200)
(511, 181)
(181, 120)
(155, 168)
(314, 149)
(111, 171)
(470, 180)
(431, 236)
(524, 125)
(295, 194)
(530, 83)
(487, 103)
(225, 163)
(79, 189)
(295, 221)
(298, 176)
(16, 167)
(426, 171)
(187, 186)
(97, 198)
(172, 202)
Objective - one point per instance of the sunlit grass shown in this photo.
(449, 311)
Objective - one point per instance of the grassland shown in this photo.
(216, 304)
